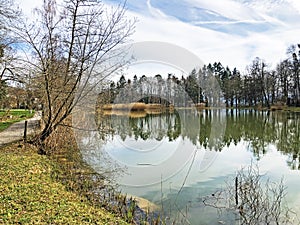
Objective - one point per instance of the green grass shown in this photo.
(293, 109)
(31, 194)
(10, 117)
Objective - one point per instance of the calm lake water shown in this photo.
(176, 159)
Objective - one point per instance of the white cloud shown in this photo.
(208, 45)
(228, 8)
(296, 4)
(229, 22)
(155, 12)
(230, 48)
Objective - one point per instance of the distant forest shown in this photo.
(258, 86)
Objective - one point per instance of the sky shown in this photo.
(233, 32)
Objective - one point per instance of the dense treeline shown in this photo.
(258, 86)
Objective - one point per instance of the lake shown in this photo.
(177, 159)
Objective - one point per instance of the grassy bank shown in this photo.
(8, 117)
(293, 109)
(30, 193)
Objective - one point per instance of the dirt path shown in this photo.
(16, 131)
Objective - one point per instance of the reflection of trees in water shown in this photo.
(256, 127)
(263, 128)
(150, 126)
(289, 138)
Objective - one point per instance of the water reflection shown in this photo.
(140, 125)
(259, 129)
(164, 152)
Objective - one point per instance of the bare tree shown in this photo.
(71, 49)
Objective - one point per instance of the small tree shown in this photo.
(70, 44)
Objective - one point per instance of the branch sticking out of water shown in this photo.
(251, 199)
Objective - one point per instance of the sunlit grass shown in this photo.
(31, 194)
(9, 117)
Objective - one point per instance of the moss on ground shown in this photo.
(31, 194)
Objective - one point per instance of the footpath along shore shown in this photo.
(16, 131)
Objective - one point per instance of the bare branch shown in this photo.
(72, 44)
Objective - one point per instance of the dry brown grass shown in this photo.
(200, 105)
(133, 110)
(154, 106)
(153, 111)
(134, 106)
(276, 107)
(107, 106)
(137, 106)
(137, 114)
(131, 114)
